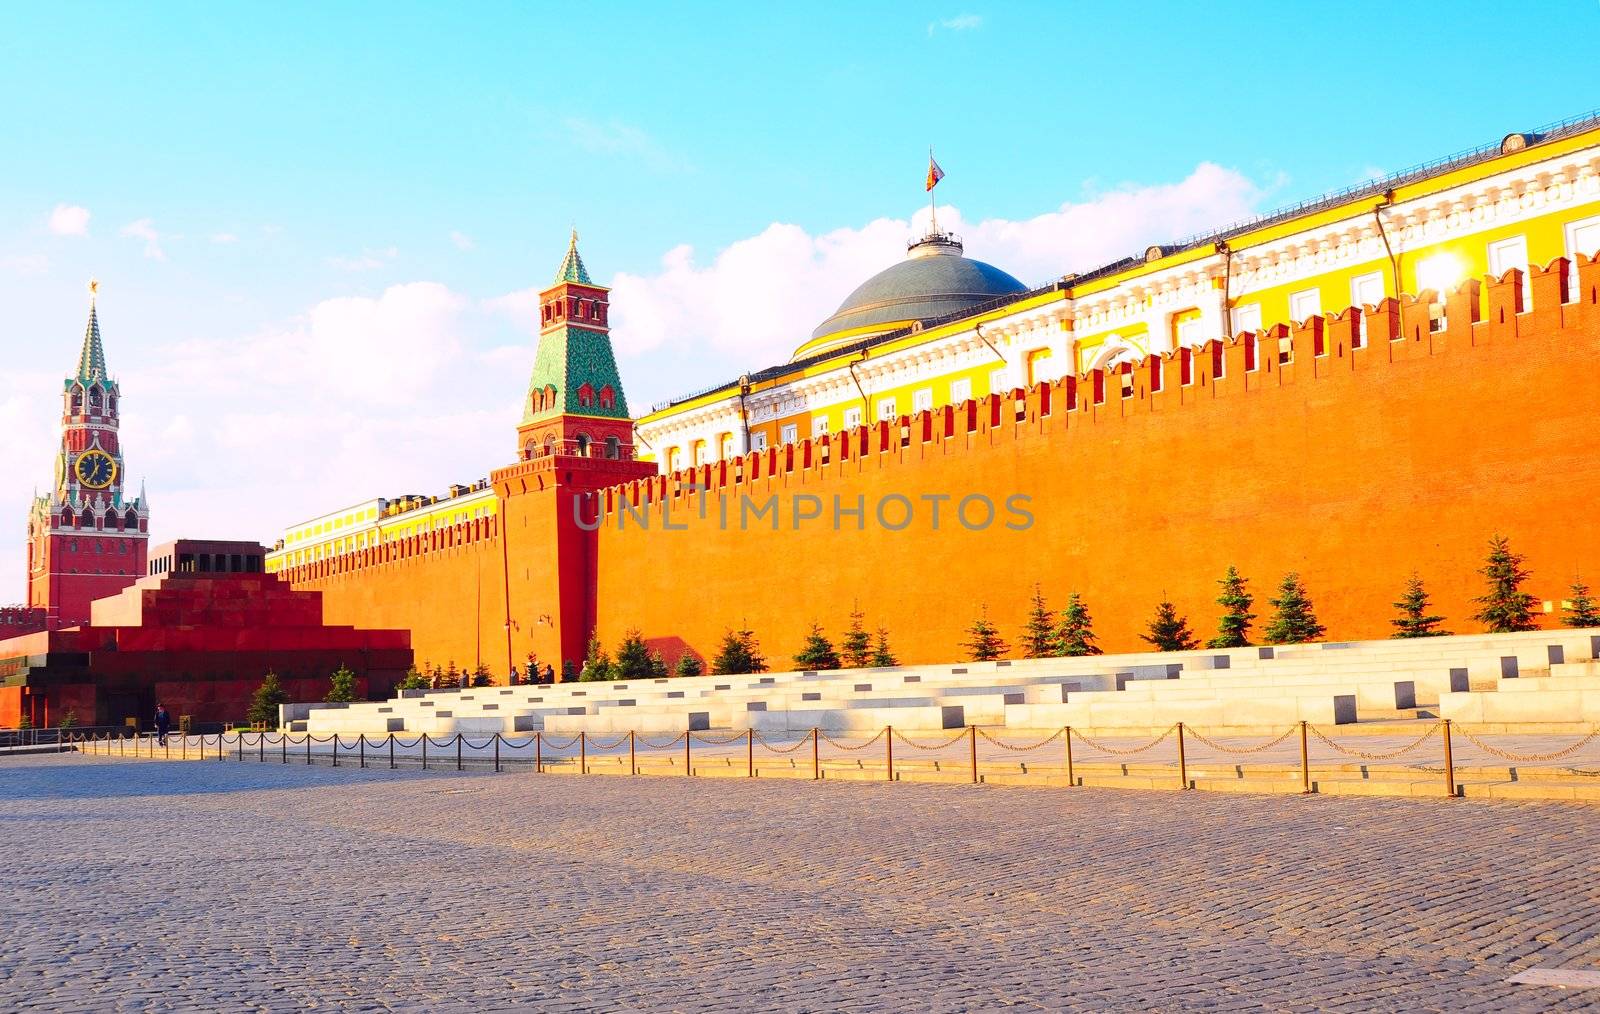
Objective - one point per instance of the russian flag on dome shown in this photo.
(935, 174)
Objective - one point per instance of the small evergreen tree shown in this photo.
(1580, 610)
(1039, 638)
(569, 672)
(481, 677)
(25, 722)
(817, 652)
(1169, 631)
(881, 655)
(1414, 619)
(1076, 633)
(264, 702)
(1233, 628)
(689, 664)
(69, 720)
(412, 680)
(1294, 622)
(855, 649)
(597, 665)
(452, 675)
(341, 687)
(658, 665)
(739, 654)
(633, 658)
(985, 643)
(1505, 607)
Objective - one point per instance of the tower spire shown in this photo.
(572, 269)
(92, 359)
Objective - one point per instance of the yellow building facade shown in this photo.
(940, 328)
(374, 522)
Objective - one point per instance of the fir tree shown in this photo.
(1233, 628)
(633, 658)
(1414, 619)
(882, 657)
(817, 653)
(855, 649)
(569, 672)
(481, 677)
(596, 663)
(740, 654)
(1076, 633)
(1039, 638)
(452, 675)
(658, 665)
(264, 702)
(1505, 607)
(689, 664)
(68, 720)
(1580, 610)
(1294, 622)
(25, 722)
(341, 687)
(1169, 631)
(985, 644)
(412, 680)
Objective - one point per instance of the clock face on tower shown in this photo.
(95, 469)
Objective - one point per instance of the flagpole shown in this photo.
(933, 212)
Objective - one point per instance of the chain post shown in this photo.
(972, 735)
(283, 744)
(424, 751)
(363, 750)
(1305, 762)
(497, 753)
(750, 753)
(583, 753)
(1183, 763)
(816, 760)
(336, 749)
(458, 751)
(688, 757)
(391, 751)
(1449, 763)
(633, 757)
(261, 748)
(241, 747)
(538, 752)
(1071, 778)
(186, 746)
(888, 748)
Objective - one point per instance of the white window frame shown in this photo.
(819, 426)
(1305, 304)
(999, 383)
(758, 441)
(960, 390)
(922, 401)
(888, 409)
(1508, 253)
(1573, 250)
(1247, 318)
(852, 417)
(789, 433)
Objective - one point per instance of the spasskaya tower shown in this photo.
(87, 538)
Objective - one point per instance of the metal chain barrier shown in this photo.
(958, 737)
(597, 744)
(568, 745)
(1095, 745)
(669, 744)
(1507, 755)
(804, 741)
(1377, 755)
(1189, 730)
(707, 740)
(860, 746)
(1021, 749)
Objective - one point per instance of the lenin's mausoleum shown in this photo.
(1362, 386)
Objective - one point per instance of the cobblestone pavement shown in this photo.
(144, 885)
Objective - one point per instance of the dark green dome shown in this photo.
(934, 281)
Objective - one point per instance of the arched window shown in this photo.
(66, 517)
(549, 396)
(613, 448)
(608, 397)
(585, 396)
(583, 445)
(94, 399)
(76, 401)
(549, 445)
(530, 450)
(111, 404)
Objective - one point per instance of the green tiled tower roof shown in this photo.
(572, 269)
(92, 360)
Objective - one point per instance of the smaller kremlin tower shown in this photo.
(87, 538)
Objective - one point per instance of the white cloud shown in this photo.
(145, 229)
(224, 238)
(367, 261)
(69, 220)
(462, 240)
(959, 23)
(615, 137)
(695, 321)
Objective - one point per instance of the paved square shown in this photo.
(224, 886)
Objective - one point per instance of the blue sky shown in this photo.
(318, 226)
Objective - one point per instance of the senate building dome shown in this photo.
(934, 280)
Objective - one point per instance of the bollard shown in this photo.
(497, 753)
(888, 746)
(458, 751)
(391, 751)
(261, 748)
(241, 748)
(1071, 780)
(538, 753)
(308, 749)
(424, 751)
(972, 735)
(1183, 764)
(688, 760)
(749, 753)
(816, 761)
(363, 749)
(633, 761)
(168, 745)
(185, 746)
(583, 753)
(1305, 762)
(1449, 764)
(283, 745)
(336, 749)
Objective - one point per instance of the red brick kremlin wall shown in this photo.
(1353, 465)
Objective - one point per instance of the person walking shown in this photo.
(163, 723)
